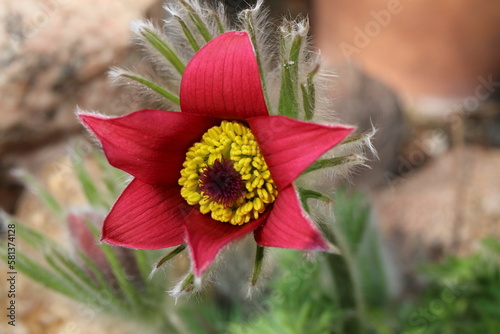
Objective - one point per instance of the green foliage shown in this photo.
(197, 20)
(299, 302)
(462, 296)
(189, 35)
(329, 163)
(352, 212)
(161, 45)
(306, 194)
(309, 95)
(259, 259)
(160, 90)
(290, 49)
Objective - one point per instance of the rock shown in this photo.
(55, 55)
(10, 189)
(365, 103)
(447, 206)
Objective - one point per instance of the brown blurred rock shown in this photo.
(55, 55)
(418, 47)
(446, 206)
(366, 103)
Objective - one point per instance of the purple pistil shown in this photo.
(222, 183)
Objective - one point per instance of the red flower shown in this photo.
(221, 82)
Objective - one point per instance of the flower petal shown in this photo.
(223, 80)
(146, 217)
(288, 226)
(206, 237)
(289, 146)
(149, 144)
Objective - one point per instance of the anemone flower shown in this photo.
(220, 169)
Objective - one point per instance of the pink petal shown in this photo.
(223, 80)
(206, 237)
(289, 146)
(288, 226)
(149, 144)
(146, 217)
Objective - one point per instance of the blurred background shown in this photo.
(426, 74)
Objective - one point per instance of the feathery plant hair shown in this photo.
(293, 82)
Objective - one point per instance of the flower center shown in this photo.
(226, 175)
(222, 183)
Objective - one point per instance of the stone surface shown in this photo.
(55, 55)
(366, 103)
(447, 206)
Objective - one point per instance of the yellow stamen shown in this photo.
(235, 142)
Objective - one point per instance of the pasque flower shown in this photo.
(218, 170)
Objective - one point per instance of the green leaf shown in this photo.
(170, 255)
(345, 267)
(288, 103)
(46, 277)
(112, 300)
(159, 44)
(121, 276)
(188, 283)
(306, 194)
(75, 269)
(250, 27)
(309, 95)
(162, 91)
(492, 245)
(31, 236)
(217, 20)
(348, 289)
(198, 21)
(353, 212)
(79, 290)
(353, 139)
(259, 257)
(38, 273)
(188, 33)
(328, 163)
